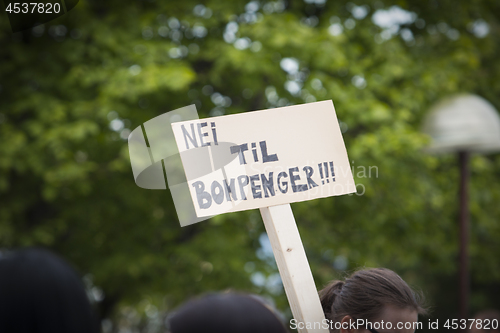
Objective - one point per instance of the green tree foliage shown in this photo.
(71, 91)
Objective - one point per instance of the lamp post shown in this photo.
(463, 124)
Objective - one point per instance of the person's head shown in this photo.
(40, 293)
(221, 313)
(486, 321)
(371, 295)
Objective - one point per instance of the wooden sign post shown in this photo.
(268, 159)
(293, 267)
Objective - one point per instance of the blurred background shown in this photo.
(71, 91)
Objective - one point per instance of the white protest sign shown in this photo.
(264, 158)
(268, 159)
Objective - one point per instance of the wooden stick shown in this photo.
(294, 268)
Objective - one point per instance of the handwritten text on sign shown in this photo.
(264, 158)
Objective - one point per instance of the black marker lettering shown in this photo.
(240, 149)
(201, 195)
(214, 134)
(320, 167)
(265, 156)
(309, 171)
(218, 197)
(203, 144)
(254, 152)
(284, 175)
(230, 189)
(255, 188)
(191, 138)
(293, 178)
(326, 172)
(267, 184)
(243, 181)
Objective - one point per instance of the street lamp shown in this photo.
(463, 124)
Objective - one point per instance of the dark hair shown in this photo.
(40, 293)
(221, 313)
(364, 293)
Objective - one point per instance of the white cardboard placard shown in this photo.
(264, 158)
